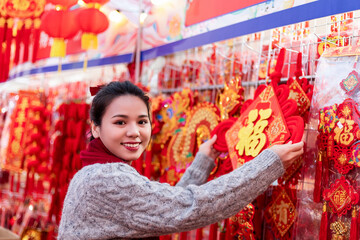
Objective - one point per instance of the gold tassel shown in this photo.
(89, 41)
(58, 49)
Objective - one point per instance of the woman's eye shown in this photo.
(143, 122)
(119, 122)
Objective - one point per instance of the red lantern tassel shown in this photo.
(6, 61)
(324, 224)
(353, 229)
(36, 38)
(2, 39)
(213, 231)
(18, 40)
(318, 176)
(199, 234)
(26, 39)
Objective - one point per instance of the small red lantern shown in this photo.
(92, 22)
(60, 25)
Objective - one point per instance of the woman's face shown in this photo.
(125, 127)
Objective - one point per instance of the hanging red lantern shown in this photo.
(92, 22)
(59, 25)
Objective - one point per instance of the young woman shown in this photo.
(111, 200)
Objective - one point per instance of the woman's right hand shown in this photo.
(289, 152)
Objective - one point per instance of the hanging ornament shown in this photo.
(281, 213)
(201, 120)
(261, 125)
(92, 22)
(341, 196)
(60, 24)
(352, 82)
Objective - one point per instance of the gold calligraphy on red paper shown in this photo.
(22, 8)
(252, 138)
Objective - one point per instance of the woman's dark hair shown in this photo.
(108, 93)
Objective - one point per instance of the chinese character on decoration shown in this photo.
(252, 138)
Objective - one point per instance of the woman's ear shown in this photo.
(95, 130)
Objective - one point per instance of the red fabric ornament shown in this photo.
(282, 93)
(295, 125)
(289, 108)
(220, 131)
(246, 104)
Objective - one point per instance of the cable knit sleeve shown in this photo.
(113, 201)
(198, 172)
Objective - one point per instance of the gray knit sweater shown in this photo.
(109, 201)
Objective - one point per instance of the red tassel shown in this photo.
(183, 236)
(276, 75)
(228, 230)
(36, 38)
(353, 229)
(324, 224)
(213, 231)
(298, 72)
(2, 39)
(318, 176)
(26, 39)
(223, 231)
(6, 59)
(19, 36)
(199, 234)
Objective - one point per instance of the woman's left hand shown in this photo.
(208, 149)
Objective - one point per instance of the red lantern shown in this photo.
(92, 22)
(63, 3)
(60, 25)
